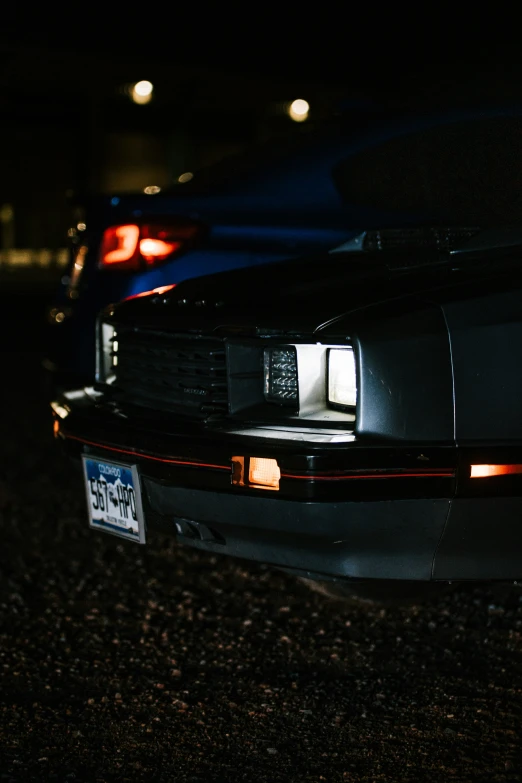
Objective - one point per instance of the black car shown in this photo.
(353, 416)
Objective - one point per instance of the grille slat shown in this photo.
(174, 373)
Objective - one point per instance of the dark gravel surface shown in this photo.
(122, 663)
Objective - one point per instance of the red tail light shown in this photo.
(157, 249)
(132, 247)
(119, 244)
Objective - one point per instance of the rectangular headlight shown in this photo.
(342, 381)
(280, 373)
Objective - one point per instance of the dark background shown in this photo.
(222, 80)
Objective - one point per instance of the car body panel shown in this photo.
(486, 335)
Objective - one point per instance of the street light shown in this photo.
(142, 92)
(298, 110)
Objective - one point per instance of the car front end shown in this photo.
(302, 421)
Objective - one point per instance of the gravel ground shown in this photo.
(122, 663)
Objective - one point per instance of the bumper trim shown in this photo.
(375, 474)
(144, 455)
(378, 473)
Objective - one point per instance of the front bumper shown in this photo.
(370, 540)
(365, 510)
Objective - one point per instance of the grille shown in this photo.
(171, 373)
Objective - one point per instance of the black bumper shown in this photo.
(355, 510)
(372, 540)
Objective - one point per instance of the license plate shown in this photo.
(114, 498)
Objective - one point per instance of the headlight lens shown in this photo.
(280, 370)
(342, 381)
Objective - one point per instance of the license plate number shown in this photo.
(114, 498)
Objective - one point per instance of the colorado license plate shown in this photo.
(114, 498)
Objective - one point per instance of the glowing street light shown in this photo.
(142, 92)
(143, 88)
(298, 110)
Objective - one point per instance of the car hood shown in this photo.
(295, 296)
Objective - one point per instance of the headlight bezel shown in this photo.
(314, 400)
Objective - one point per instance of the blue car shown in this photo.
(312, 192)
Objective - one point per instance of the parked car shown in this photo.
(293, 196)
(353, 417)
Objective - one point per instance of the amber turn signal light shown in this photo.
(486, 471)
(256, 472)
(264, 472)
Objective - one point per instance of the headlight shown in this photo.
(280, 373)
(342, 382)
(107, 353)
